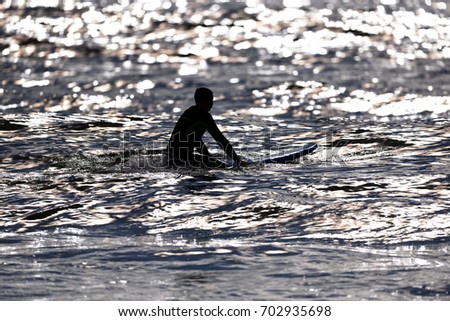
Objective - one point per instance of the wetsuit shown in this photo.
(187, 138)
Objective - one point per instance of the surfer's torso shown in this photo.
(189, 130)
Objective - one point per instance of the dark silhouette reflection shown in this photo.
(186, 147)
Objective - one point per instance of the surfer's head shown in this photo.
(204, 98)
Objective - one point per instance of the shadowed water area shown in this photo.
(90, 92)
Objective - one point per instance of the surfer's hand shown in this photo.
(242, 163)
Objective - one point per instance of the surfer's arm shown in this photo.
(221, 140)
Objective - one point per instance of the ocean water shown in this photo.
(365, 217)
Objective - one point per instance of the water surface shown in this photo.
(366, 217)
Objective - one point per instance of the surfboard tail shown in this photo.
(289, 157)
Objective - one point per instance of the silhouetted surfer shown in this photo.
(186, 147)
